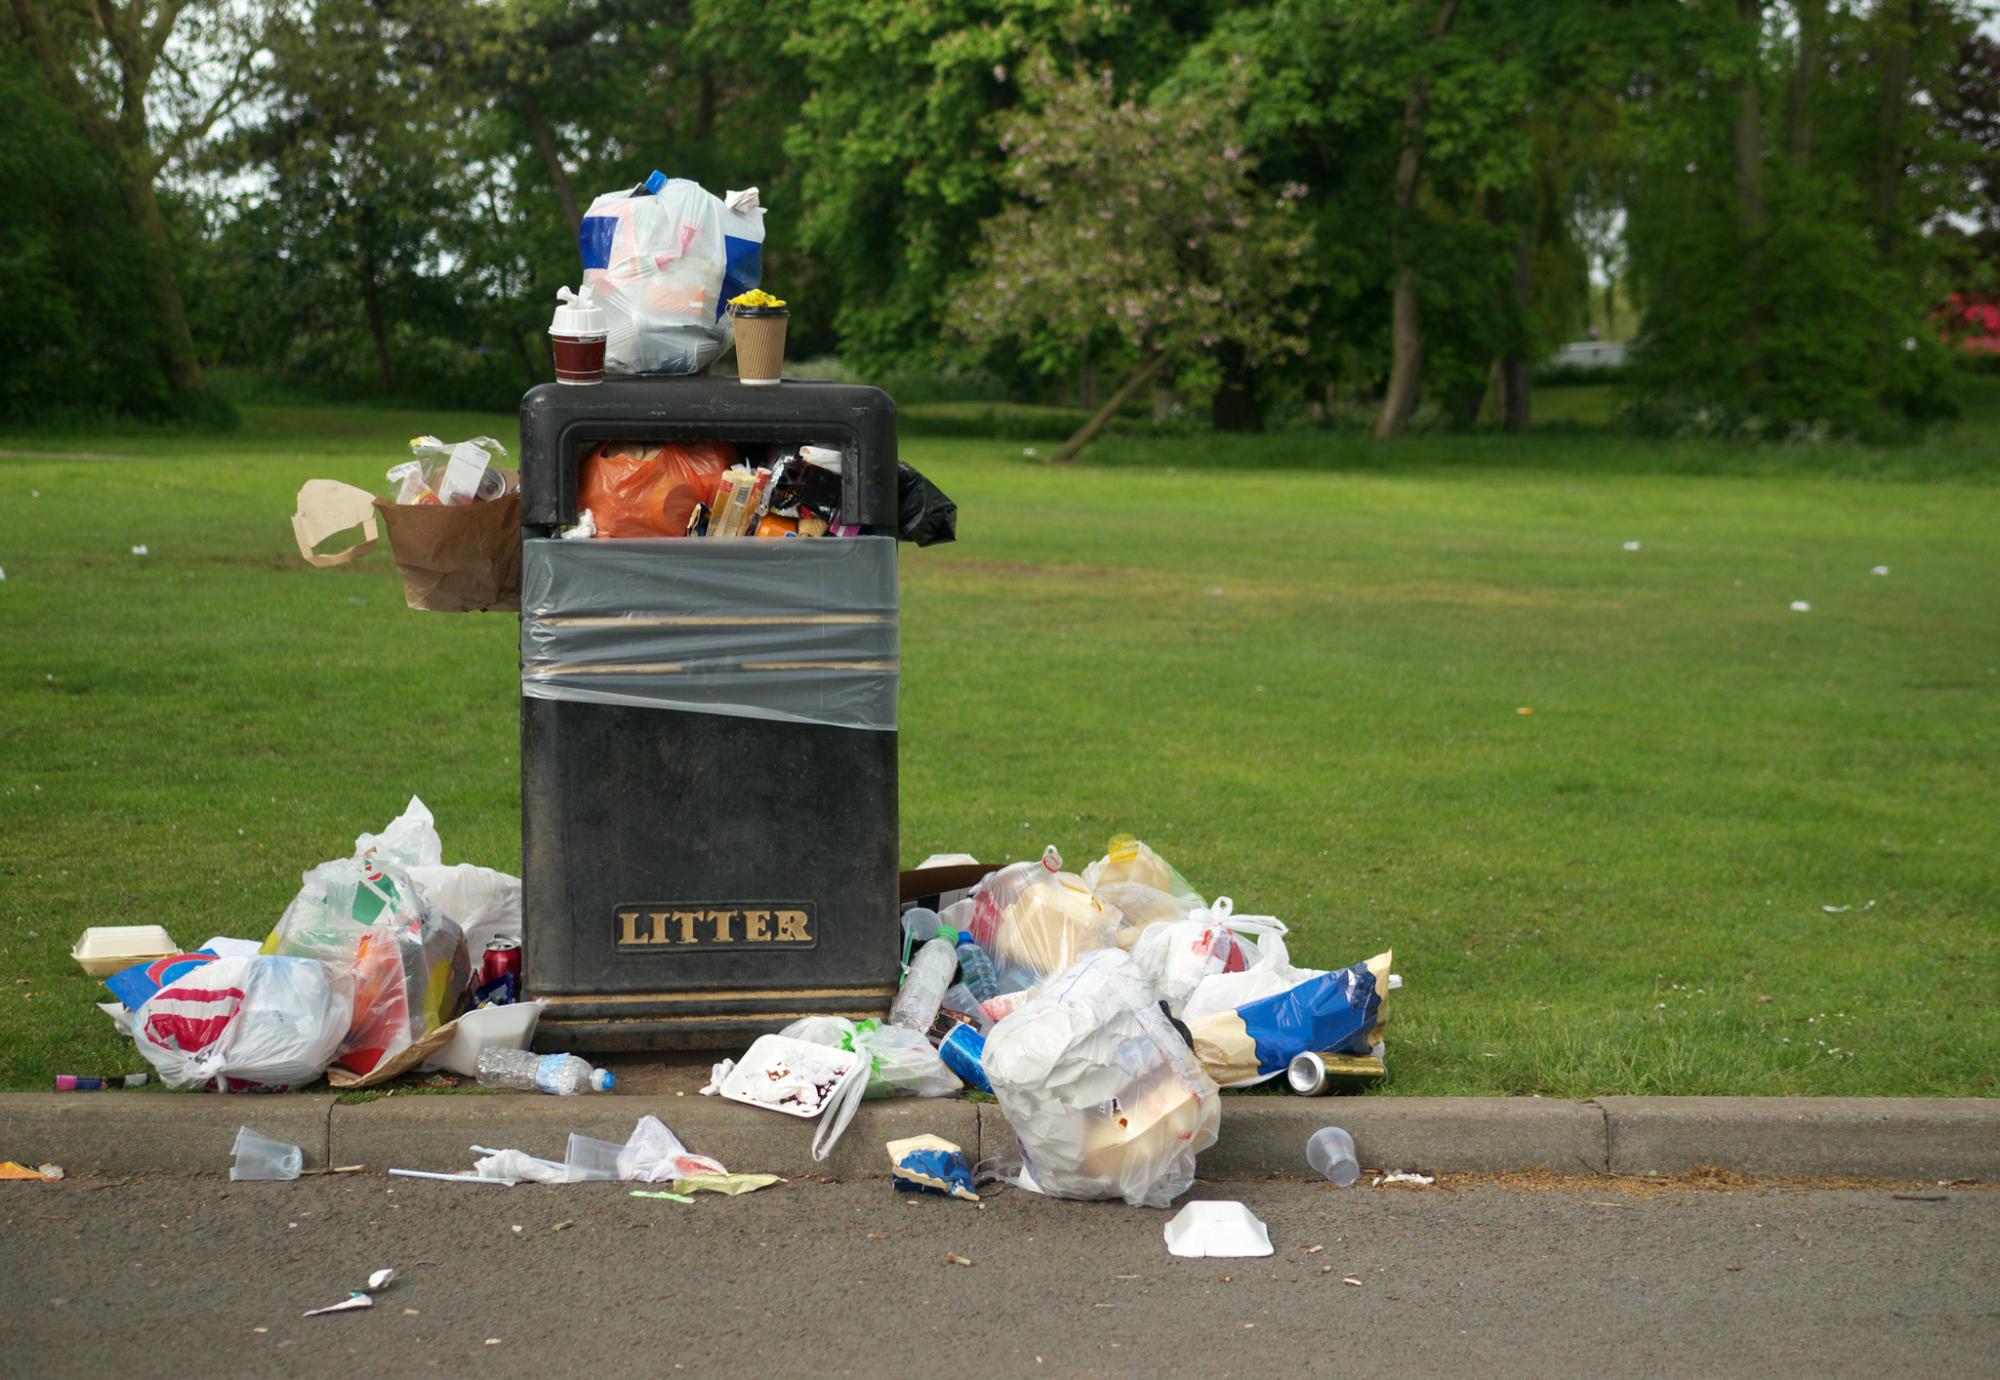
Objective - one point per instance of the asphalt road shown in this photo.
(201, 1276)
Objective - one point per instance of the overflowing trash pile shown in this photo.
(369, 973)
(1103, 1010)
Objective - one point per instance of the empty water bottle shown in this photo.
(924, 985)
(561, 1074)
(976, 967)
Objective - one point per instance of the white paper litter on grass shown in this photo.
(1631, 546)
(1224, 1230)
(1801, 606)
(1879, 570)
(1403, 1177)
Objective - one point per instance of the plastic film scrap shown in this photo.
(800, 631)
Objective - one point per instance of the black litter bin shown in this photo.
(708, 743)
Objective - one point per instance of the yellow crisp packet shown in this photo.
(756, 297)
(731, 1184)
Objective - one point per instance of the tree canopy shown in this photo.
(1397, 207)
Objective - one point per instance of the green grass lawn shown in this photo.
(1296, 664)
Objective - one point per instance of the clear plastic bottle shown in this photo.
(561, 1074)
(920, 925)
(976, 966)
(924, 985)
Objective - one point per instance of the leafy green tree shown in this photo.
(358, 176)
(71, 266)
(896, 162)
(146, 82)
(1135, 224)
(1787, 165)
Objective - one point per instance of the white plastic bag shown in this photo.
(663, 259)
(1035, 917)
(266, 1021)
(654, 1154)
(1175, 955)
(481, 901)
(1270, 970)
(407, 960)
(1104, 1097)
(901, 1063)
(408, 840)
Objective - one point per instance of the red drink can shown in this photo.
(502, 960)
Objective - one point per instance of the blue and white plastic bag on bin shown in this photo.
(663, 260)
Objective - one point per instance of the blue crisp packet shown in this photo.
(931, 1164)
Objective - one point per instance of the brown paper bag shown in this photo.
(464, 559)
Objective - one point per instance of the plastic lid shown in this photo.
(580, 315)
(603, 1079)
(655, 181)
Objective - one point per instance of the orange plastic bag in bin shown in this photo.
(633, 489)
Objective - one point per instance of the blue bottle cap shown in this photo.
(656, 181)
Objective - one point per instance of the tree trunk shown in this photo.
(1749, 151)
(1406, 326)
(1465, 401)
(1889, 111)
(1406, 358)
(705, 103)
(1516, 370)
(545, 140)
(1235, 406)
(1086, 386)
(173, 342)
(1087, 433)
(378, 329)
(1805, 71)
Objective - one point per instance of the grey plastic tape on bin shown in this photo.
(801, 630)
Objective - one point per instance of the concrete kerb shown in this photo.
(1822, 1137)
(146, 1133)
(1887, 1138)
(1267, 1135)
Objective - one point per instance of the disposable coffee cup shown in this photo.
(577, 336)
(760, 344)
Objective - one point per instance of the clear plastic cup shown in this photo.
(590, 1159)
(260, 1157)
(1331, 1153)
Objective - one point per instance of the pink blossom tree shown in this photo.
(1135, 230)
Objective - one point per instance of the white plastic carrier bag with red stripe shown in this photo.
(268, 1021)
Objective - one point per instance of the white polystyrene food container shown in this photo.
(107, 949)
(487, 1027)
(768, 1050)
(1222, 1230)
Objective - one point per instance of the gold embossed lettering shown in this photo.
(685, 919)
(756, 928)
(721, 920)
(659, 926)
(792, 927)
(628, 928)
